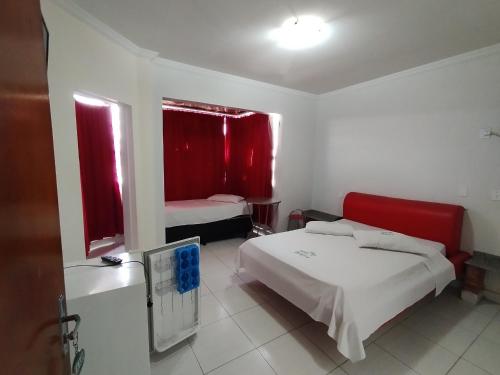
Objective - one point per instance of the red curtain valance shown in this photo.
(102, 204)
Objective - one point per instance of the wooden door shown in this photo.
(31, 270)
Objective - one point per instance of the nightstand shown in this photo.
(314, 215)
(263, 213)
(475, 269)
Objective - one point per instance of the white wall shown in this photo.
(81, 58)
(295, 149)
(416, 135)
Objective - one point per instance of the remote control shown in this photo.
(111, 260)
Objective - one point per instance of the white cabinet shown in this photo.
(112, 304)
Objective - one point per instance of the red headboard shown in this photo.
(432, 221)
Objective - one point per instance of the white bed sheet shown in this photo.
(352, 290)
(201, 211)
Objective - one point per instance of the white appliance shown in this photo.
(173, 316)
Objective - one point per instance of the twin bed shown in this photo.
(211, 220)
(356, 290)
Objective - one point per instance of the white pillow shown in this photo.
(326, 227)
(229, 198)
(387, 240)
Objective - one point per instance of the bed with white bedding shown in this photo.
(209, 219)
(353, 290)
(201, 211)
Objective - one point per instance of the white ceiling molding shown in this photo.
(203, 72)
(84, 16)
(454, 60)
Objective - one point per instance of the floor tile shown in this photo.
(266, 293)
(485, 354)
(461, 313)
(451, 305)
(377, 362)
(474, 321)
(316, 332)
(381, 331)
(463, 367)
(203, 289)
(464, 317)
(246, 277)
(492, 331)
(211, 265)
(219, 343)
(238, 298)
(227, 255)
(249, 364)
(289, 311)
(487, 308)
(220, 282)
(417, 352)
(294, 354)
(338, 371)
(211, 310)
(442, 331)
(262, 324)
(180, 360)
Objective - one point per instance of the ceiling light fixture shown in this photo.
(301, 32)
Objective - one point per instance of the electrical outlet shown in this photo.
(495, 195)
(485, 133)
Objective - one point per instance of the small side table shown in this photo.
(315, 215)
(265, 208)
(475, 271)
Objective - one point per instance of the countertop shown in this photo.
(85, 281)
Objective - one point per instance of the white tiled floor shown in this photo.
(247, 329)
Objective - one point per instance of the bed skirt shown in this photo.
(238, 226)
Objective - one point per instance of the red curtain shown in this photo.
(102, 204)
(249, 169)
(199, 160)
(193, 146)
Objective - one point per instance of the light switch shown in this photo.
(495, 195)
(485, 133)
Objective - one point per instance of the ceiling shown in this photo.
(370, 39)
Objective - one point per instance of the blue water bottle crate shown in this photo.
(187, 268)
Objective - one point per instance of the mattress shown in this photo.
(352, 290)
(201, 211)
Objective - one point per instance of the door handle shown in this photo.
(71, 335)
(66, 336)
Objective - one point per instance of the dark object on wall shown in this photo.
(238, 226)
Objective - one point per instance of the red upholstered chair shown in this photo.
(432, 221)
